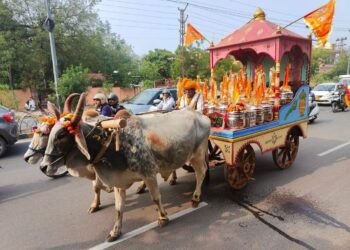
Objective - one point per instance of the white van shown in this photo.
(344, 79)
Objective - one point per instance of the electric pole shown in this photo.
(49, 26)
(182, 35)
(341, 44)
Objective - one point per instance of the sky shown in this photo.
(150, 24)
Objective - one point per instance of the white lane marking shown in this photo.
(145, 228)
(24, 140)
(334, 149)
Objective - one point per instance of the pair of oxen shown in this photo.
(114, 154)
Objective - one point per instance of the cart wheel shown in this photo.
(239, 176)
(285, 156)
(215, 155)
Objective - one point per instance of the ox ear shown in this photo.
(80, 140)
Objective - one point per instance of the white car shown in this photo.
(324, 92)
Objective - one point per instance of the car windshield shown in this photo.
(143, 98)
(324, 87)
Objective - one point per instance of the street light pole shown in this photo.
(49, 26)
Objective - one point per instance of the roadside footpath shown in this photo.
(26, 121)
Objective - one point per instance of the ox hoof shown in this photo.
(141, 190)
(111, 238)
(163, 222)
(172, 182)
(195, 203)
(93, 209)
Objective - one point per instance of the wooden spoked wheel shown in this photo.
(239, 176)
(285, 156)
(215, 155)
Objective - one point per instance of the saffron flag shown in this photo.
(191, 35)
(320, 21)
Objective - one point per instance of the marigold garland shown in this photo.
(49, 120)
(66, 121)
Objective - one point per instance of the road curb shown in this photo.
(25, 136)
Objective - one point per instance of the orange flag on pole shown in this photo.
(191, 35)
(320, 21)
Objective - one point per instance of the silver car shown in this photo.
(325, 92)
(8, 129)
(143, 101)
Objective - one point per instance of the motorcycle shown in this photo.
(338, 101)
(314, 109)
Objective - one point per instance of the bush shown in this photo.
(73, 80)
(7, 97)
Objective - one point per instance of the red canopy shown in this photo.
(260, 38)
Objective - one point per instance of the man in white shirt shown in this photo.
(168, 102)
(191, 99)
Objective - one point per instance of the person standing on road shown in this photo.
(113, 102)
(101, 105)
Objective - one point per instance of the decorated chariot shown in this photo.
(265, 105)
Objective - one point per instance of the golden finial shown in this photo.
(259, 14)
(278, 29)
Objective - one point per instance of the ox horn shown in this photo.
(114, 124)
(42, 110)
(79, 110)
(68, 103)
(53, 110)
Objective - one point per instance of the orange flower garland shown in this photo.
(49, 120)
(66, 121)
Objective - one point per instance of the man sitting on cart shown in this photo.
(192, 98)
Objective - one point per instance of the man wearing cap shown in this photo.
(191, 99)
(101, 105)
(168, 102)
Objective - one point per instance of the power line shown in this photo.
(142, 22)
(142, 27)
(133, 14)
(211, 20)
(211, 27)
(131, 8)
(217, 10)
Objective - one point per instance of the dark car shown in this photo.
(146, 99)
(8, 129)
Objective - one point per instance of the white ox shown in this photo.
(38, 146)
(147, 146)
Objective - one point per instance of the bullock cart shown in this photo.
(265, 46)
(281, 137)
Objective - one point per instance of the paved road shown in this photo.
(304, 207)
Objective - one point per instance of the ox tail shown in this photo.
(207, 173)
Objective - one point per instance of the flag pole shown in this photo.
(292, 23)
(298, 19)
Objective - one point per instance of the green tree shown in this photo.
(225, 66)
(339, 68)
(196, 63)
(73, 80)
(81, 38)
(320, 56)
(156, 66)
